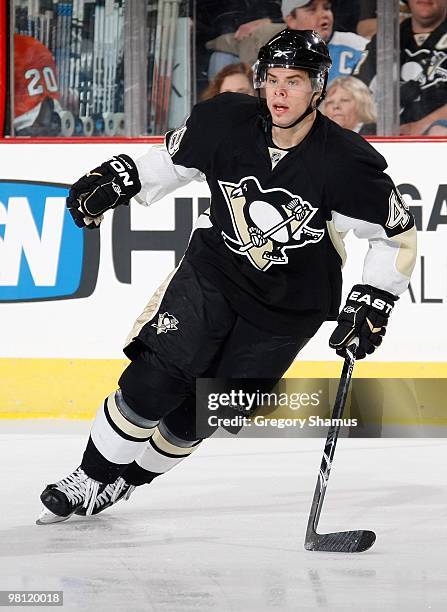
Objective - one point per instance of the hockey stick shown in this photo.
(340, 541)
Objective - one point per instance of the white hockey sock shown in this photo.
(164, 451)
(118, 433)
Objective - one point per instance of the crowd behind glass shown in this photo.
(69, 66)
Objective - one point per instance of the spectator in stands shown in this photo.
(367, 24)
(350, 104)
(215, 18)
(423, 61)
(345, 47)
(237, 78)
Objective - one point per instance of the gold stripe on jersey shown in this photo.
(405, 259)
(337, 239)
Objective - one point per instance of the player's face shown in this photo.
(428, 12)
(288, 92)
(317, 15)
(341, 107)
(237, 83)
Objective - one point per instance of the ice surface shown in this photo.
(224, 530)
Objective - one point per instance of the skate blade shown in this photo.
(46, 517)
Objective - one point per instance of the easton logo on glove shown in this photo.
(365, 316)
(377, 303)
(113, 183)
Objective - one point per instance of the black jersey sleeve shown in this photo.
(363, 198)
(358, 184)
(193, 144)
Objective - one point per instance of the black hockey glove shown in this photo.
(113, 183)
(365, 316)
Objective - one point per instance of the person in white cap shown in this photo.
(345, 47)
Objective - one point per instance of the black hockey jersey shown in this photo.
(272, 241)
(423, 80)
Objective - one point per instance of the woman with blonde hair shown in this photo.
(349, 103)
(237, 78)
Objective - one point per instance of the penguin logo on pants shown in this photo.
(267, 222)
(166, 322)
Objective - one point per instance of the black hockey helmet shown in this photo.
(303, 49)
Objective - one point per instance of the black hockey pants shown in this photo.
(189, 330)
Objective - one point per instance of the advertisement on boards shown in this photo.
(54, 276)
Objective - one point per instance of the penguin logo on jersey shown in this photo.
(426, 67)
(267, 222)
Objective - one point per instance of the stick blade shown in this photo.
(341, 541)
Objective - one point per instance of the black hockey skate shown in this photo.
(63, 498)
(110, 495)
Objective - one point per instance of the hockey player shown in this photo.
(37, 107)
(262, 270)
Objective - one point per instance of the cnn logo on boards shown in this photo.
(43, 255)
